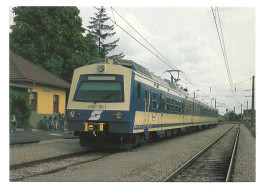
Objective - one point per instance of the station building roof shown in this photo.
(21, 69)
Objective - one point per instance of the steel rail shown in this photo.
(232, 157)
(57, 169)
(60, 157)
(184, 166)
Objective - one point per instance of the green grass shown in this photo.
(250, 128)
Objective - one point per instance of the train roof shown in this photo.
(142, 70)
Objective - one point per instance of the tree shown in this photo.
(52, 37)
(233, 116)
(100, 31)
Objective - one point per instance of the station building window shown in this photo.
(34, 101)
(55, 103)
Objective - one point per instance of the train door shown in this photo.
(162, 108)
(147, 106)
(183, 110)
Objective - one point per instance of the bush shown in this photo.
(23, 99)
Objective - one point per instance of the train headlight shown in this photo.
(119, 115)
(101, 68)
(72, 114)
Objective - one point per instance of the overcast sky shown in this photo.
(187, 37)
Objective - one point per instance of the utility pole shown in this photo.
(194, 94)
(215, 103)
(246, 109)
(253, 102)
(234, 113)
(241, 113)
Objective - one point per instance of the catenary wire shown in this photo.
(157, 52)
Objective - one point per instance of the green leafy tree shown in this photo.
(233, 116)
(101, 32)
(52, 37)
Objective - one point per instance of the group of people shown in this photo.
(57, 123)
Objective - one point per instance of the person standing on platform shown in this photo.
(62, 121)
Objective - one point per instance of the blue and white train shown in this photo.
(121, 102)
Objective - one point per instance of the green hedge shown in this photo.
(23, 99)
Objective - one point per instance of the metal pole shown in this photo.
(246, 110)
(215, 103)
(241, 112)
(234, 113)
(253, 102)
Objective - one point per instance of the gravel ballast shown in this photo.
(153, 162)
(244, 166)
(43, 149)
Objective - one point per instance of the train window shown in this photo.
(176, 105)
(138, 93)
(97, 91)
(160, 102)
(172, 105)
(168, 103)
(154, 100)
(146, 94)
(163, 107)
(180, 106)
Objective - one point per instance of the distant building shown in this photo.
(47, 91)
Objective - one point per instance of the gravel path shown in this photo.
(152, 162)
(244, 167)
(43, 149)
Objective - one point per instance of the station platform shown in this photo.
(22, 137)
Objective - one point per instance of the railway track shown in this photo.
(46, 166)
(213, 163)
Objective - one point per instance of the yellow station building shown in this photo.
(47, 91)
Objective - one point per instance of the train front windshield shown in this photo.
(99, 91)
